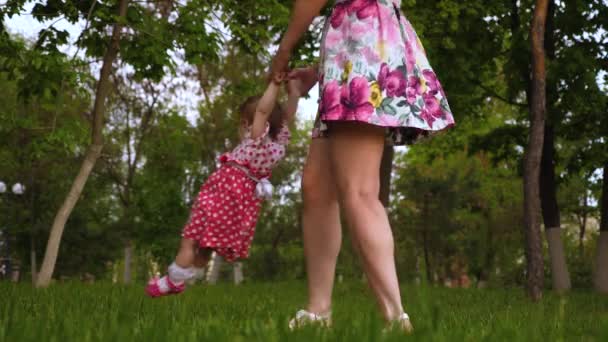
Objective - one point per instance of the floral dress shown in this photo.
(374, 69)
(225, 213)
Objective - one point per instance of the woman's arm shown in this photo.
(303, 13)
(308, 77)
(264, 109)
(293, 97)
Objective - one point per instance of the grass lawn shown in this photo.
(259, 312)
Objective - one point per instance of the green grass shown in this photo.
(259, 312)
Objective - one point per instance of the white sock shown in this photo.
(163, 285)
(178, 274)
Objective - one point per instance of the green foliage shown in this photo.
(456, 196)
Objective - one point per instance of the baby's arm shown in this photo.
(264, 109)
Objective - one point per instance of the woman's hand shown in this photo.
(308, 78)
(279, 65)
(302, 15)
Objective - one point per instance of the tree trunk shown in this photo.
(215, 265)
(600, 279)
(486, 270)
(550, 210)
(93, 153)
(425, 242)
(548, 187)
(582, 226)
(386, 168)
(32, 220)
(33, 267)
(238, 272)
(128, 263)
(532, 159)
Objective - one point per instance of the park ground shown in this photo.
(260, 312)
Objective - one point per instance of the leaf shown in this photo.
(390, 110)
(418, 117)
(420, 103)
(387, 101)
(415, 109)
(403, 70)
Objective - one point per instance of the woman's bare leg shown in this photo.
(321, 227)
(355, 154)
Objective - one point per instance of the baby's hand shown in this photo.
(279, 78)
(293, 87)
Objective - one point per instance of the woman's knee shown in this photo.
(358, 194)
(317, 187)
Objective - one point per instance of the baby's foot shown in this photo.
(158, 287)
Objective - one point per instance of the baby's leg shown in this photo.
(179, 272)
(187, 253)
(202, 257)
(201, 260)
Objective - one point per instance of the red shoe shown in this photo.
(153, 289)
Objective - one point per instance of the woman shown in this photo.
(375, 84)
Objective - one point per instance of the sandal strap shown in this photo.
(312, 316)
(403, 316)
(304, 317)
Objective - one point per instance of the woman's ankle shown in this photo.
(393, 313)
(319, 309)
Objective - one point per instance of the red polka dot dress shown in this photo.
(225, 213)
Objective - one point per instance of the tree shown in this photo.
(532, 159)
(93, 152)
(548, 184)
(600, 280)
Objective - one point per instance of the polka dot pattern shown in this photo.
(260, 155)
(225, 213)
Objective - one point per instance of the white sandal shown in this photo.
(304, 318)
(402, 323)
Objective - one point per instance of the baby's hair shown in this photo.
(275, 120)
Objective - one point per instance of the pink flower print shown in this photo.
(432, 109)
(359, 29)
(432, 105)
(410, 56)
(449, 119)
(338, 13)
(333, 38)
(364, 8)
(355, 100)
(371, 56)
(427, 117)
(414, 88)
(411, 34)
(341, 59)
(389, 120)
(331, 109)
(431, 81)
(393, 82)
(392, 33)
